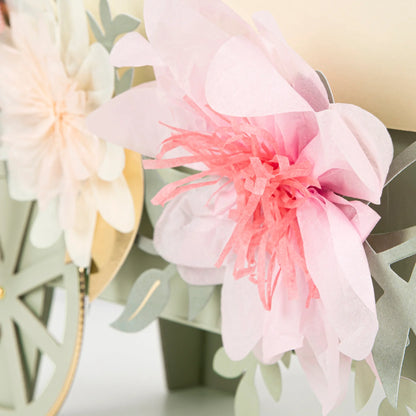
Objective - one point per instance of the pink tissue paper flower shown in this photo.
(264, 214)
(50, 79)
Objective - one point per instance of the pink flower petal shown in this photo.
(338, 266)
(242, 316)
(289, 64)
(204, 26)
(242, 82)
(340, 162)
(372, 136)
(138, 112)
(202, 275)
(134, 50)
(325, 367)
(198, 233)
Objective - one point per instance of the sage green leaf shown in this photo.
(272, 378)
(124, 23)
(364, 384)
(98, 34)
(228, 368)
(246, 401)
(146, 301)
(153, 184)
(198, 298)
(286, 358)
(407, 399)
(105, 14)
(146, 244)
(124, 83)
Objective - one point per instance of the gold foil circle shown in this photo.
(110, 247)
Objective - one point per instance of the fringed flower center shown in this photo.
(269, 188)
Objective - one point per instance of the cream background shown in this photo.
(366, 48)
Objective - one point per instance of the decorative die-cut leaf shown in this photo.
(246, 402)
(105, 14)
(272, 379)
(198, 298)
(98, 34)
(146, 244)
(146, 301)
(364, 384)
(124, 23)
(286, 358)
(124, 83)
(228, 368)
(407, 399)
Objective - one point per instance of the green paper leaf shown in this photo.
(198, 298)
(364, 384)
(153, 184)
(272, 379)
(286, 358)
(105, 14)
(407, 399)
(98, 34)
(146, 301)
(246, 402)
(124, 23)
(146, 244)
(228, 368)
(396, 309)
(124, 83)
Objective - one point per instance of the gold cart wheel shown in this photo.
(27, 343)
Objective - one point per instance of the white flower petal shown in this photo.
(113, 162)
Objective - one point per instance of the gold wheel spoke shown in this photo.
(37, 275)
(14, 363)
(37, 331)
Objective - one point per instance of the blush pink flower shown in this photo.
(50, 79)
(264, 214)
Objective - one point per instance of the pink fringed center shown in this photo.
(269, 188)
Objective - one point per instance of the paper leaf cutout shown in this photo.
(122, 23)
(146, 301)
(272, 379)
(198, 299)
(407, 399)
(228, 368)
(246, 402)
(124, 83)
(146, 244)
(402, 161)
(364, 384)
(286, 358)
(396, 310)
(329, 92)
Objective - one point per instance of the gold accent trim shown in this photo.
(146, 299)
(77, 351)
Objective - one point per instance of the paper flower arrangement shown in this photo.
(53, 78)
(263, 211)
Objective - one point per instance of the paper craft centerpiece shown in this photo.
(261, 193)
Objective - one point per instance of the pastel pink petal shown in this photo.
(289, 64)
(372, 136)
(242, 82)
(336, 261)
(282, 324)
(134, 50)
(138, 112)
(326, 369)
(190, 232)
(186, 34)
(340, 162)
(202, 275)
(361, 216)
(242, 316)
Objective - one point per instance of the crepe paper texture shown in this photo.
(53, 78)
(263, 214)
